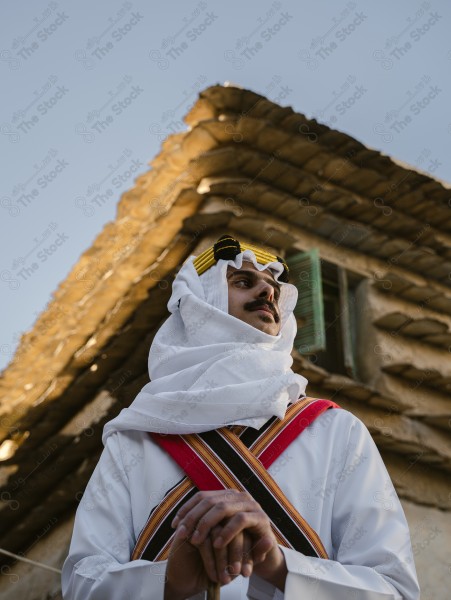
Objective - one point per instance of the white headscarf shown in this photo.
(209, 369)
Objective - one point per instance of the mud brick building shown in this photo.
(369, 243)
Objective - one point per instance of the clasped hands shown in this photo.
(220, 535)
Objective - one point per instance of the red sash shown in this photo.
(221, 459)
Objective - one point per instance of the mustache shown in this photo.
(259, 303)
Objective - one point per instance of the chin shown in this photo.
(266, 329)
(264, 323)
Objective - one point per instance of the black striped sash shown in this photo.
(238, 459)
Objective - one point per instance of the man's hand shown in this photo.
(191, 566)
(185, 573)
(216, 519)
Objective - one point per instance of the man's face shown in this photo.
(254, 296)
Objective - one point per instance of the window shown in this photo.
(324, 312)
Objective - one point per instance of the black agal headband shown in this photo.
(228, 248)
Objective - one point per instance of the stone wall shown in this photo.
(430, 531)
(29, 582)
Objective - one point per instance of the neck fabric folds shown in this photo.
(209, 369)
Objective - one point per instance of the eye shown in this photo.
(241, 280)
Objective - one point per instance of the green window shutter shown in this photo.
(346, 323)
(305, 274)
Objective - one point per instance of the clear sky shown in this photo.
(91, 89)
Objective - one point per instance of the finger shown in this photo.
(180, 540)
(209, 559)
(256, 523)
(261, 547)
(210, 512)
(181, 535)
(222, 564)
(248, 563)
(235, 554)
(197, 498)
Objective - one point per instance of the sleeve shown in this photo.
(262, 590)
(372, 554)
(98, 565)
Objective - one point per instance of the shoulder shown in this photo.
(130, 447)
(339, 417)
(122, 444)
(119, 439)
(342, 424)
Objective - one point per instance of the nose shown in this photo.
(266, 290)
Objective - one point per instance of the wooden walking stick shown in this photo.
(213, 591)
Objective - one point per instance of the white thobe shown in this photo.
(332, 473)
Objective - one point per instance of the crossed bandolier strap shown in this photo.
(235, 459)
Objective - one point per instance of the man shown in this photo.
(220, 365)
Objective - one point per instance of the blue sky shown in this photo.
(90, 91)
